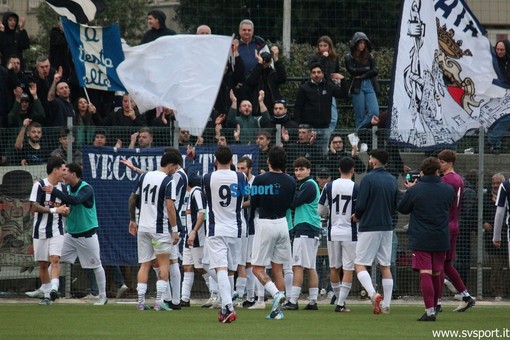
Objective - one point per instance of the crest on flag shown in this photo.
(444, 82)
(96, 51)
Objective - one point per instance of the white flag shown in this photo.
(445, 81)
(181, 72)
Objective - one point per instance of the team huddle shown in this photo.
(247, 231)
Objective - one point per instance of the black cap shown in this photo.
(323, 173)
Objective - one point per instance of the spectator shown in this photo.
(43, 76)
(304, 147)
(250, 45)
(248, 125)
(16, 78)
(61, 151)
(264, 142)
(59, 55)
(185, 138)
(267, 75)
(127, 115)
(326, 56)
(100, 138)
(85, 115)
(203, 29)
(22, 108)
(59, 102)
(31, 152)
(5, 95)
(144, 138)
(281, 116)
(498, 130)
(13, 37)
(313, 109)
(156, 21)
(497, 256)
(336, 151)
(362, 67)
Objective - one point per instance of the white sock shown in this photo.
(314, 294)
(187, 284)
(366, 281)
(175, 283)
(141, 288)
(206, 279)
(387, 285)
(101, 280)
(167, 294)
(250, 284)
(344, 292)
(54, 284)
(430, 311)
(271, 288)
(46, 289)
(336, 288)
(213, 284)
(294, 294)
(261, 291)
(288, 276)
(231, 281)
(225, 289)
(161, 286)
(241, 286)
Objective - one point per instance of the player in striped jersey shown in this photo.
(501, 209)
(193, 251)
(157, 214)
(225, 193)
(178, 187)
(48, 233)
(338, 201)
(447, 160)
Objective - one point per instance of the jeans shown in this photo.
(365, 104)
(498, 130)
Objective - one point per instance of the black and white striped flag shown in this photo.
(79, 11)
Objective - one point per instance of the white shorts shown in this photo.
(271, 242)
(193, 257)
(372, 245)
(244, 251)
(44, 248)
(174, 252)
(224, 252)
(152, 244)
(304, 252)
(84, 248)
(342, 254)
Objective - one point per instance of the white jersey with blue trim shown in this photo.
(196, 204)
(340, 197)
(224, 191)
(178, 192)
(153, 188)
(47, 225)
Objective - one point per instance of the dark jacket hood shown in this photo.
(356, 38)
(160, 16)
(6, 17)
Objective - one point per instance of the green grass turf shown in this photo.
(72, 321)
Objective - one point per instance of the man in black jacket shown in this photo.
(156, 20)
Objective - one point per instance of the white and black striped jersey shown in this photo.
(224, 191)
(153, 189)
(47, 225)
(196, 204)
(178, 187)
(340, 197)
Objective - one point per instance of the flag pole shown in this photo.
(86, 95)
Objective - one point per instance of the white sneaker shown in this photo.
(122, 289)
(102, 300)
(458, 296)
(38, 294)
(216, 303)
(209, 303)
(90, 297)
(258, 305)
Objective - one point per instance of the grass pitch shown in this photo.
(123, 321)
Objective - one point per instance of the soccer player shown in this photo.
(447, 160)
(193, 251)
(178, 187)
(157, 213)
(338, 201)
(224, 191)
(501, 210)
(272, 194)
(81, 238)
(428, 201)
(307, 228)
(48, 233)
(375, 206)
